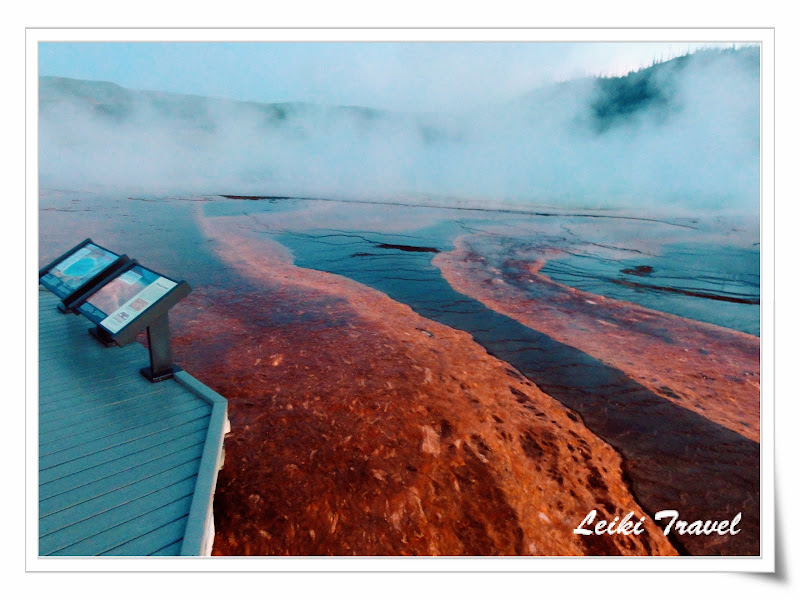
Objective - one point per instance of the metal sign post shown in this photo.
(158, 342)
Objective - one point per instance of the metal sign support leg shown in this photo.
(161, 367)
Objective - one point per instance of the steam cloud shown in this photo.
(683, 134)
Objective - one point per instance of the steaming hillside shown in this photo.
(683, 132)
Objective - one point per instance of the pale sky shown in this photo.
(398, 76)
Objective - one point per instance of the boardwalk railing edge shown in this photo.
(199, 536)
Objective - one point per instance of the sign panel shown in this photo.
(77, 269)
(124, 298)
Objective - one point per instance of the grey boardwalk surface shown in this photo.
(126, 467)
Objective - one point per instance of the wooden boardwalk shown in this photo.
(126, 467)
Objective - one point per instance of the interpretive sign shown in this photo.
(79, 269)
(134, 298)
(121, 297)
(124, 298)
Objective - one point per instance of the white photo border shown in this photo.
(763, 563)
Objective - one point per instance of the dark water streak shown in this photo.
(444, 206)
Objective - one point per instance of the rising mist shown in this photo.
(682, 134)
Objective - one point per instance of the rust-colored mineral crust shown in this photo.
(688, 436)
(359, 427)
(704, 368)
